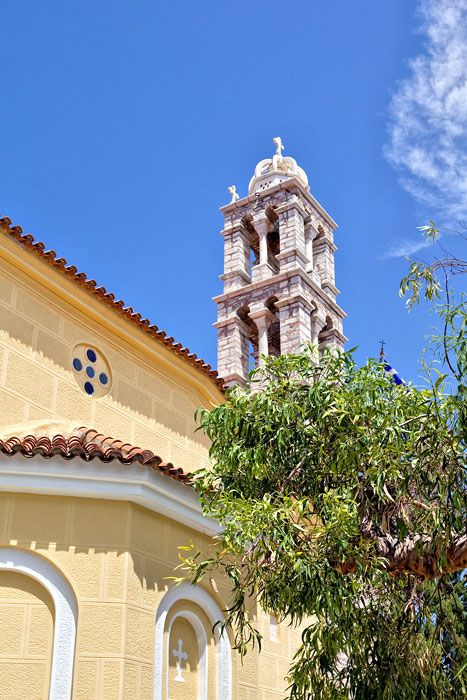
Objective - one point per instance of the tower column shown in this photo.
(295, 323)
(310, 235)
(323, 252)
(292, 235)
(262, 318)
(236, 258)
(233, 358)
(263, 244)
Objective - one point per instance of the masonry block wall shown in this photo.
(279, 292)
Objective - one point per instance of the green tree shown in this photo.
(343, 503)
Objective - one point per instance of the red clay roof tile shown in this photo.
(88, 444)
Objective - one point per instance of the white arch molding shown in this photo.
(66, 612)
(197, 595)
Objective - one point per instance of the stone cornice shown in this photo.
(235, 273)
(230, 320)
(281, 277)
(324, 242)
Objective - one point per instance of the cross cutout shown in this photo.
(180, 656)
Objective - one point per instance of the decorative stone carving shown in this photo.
(180, 655)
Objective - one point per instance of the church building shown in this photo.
(97, 442)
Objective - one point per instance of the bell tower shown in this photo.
(279, 290)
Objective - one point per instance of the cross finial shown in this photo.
(279, 146)
(233, 191)
(180, 656)
(381, 350)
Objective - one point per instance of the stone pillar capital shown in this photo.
(262, 317)
(310, 230)
(261, 222)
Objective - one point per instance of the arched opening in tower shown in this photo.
(253, 240)
(274, 248)
(273, 239)
(243, 314)
(274, 331)
(323, 337)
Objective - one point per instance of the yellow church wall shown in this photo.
(153, 394)
(116, 557)
(26, 637)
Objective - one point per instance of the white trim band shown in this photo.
(111, 480)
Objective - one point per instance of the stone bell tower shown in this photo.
(279, 290)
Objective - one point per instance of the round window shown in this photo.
(91, 370)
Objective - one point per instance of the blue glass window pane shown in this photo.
(90, 372)
(77, 364)
(103, 378)
(91, 355)
(88, 388)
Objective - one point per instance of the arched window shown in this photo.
(64, 613)
(192, 660)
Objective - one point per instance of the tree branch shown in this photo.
(416, 555)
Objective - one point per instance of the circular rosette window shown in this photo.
(91, 370)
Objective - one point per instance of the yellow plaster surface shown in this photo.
(26, 625)
(116, 557)
(153, 394)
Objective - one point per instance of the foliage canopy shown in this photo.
(342, 498)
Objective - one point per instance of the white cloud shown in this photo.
(428, 115)
(406, 248)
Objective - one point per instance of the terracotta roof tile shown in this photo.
(88, 444)
(50, 256)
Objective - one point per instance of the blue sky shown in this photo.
(123, 123)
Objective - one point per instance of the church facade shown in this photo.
(97, 440)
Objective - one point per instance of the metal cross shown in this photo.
(381, 350)
(180, 656)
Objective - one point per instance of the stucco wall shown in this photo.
(116, 557)
(150, 404)
(26, 636)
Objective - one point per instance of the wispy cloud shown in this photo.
(428, 117)
(405, 248)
